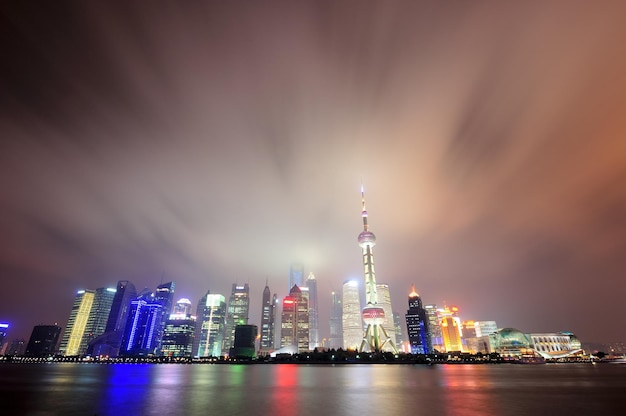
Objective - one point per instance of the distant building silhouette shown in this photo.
(314, 339)
(238, 310)
(245, 337)
(43, 340)
(296, 275)
(17, 347)
(335, 339)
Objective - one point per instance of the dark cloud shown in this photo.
(215, 143)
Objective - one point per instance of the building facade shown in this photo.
(417, 325)
(351, 320)
(295, 321)
(238, 310)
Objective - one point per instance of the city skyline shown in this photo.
(203, 145)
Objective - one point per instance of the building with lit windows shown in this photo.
(514, 344)
(43, 341)
(211, 326)
(397, 323)
(314, 339)
(87, 320)
(417, 325)
(238, 310)
(268, 316)
(351, 320)
(434, 329)
(295, 321)
(179, 334)
(335, 339)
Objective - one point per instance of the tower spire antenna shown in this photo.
(376, 337)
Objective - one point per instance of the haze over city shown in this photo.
(215, 143)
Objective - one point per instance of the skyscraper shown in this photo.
(87, 320)
(314, 340)
(98, 316)
(43, 340)
(238, 309)
(417, 325)
(108, 344)
(295, 320)
(178, 336)
(384, 301)
(267, 321)
(335, 339)
(75, 329)
(352, 324)
(146, 321)
(376, 337)
(211, 326)
(296, 275)
(434, 329)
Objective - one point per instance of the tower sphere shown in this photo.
(367, 238)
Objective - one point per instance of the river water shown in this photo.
(320, 390)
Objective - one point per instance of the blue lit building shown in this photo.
(146, 321)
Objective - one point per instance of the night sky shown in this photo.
(213, 143)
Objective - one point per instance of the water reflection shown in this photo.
(289, 389)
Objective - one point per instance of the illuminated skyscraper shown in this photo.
(417, 325)
(311, 284)
(98, 316)
(351, 321)
(210, 326)
(451, 331)
(238, 309)
(296, 275)
(335, 340)
(376, 337)
(268, 315)
(43, 340)
(384, 301)
(145, 325)
(484, 328)
(77, 322)
(245, 337)
(295, 321)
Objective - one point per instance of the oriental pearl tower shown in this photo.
(375, 338)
